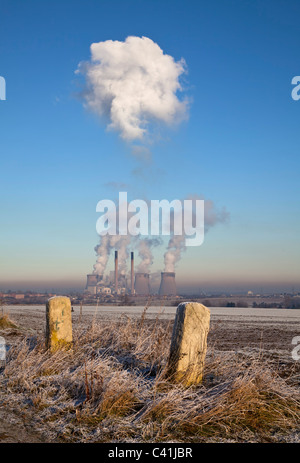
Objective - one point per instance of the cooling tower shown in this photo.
(92, 279)
(167, 284)
(142, 285)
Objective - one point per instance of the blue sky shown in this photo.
(239, 146)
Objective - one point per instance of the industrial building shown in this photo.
(136, 284)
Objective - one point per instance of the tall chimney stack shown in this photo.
(132, 273)
(167, 284)
(116, 271)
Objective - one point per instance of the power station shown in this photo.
(136, 284)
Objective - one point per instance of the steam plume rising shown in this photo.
(109, 243)
(176, 244)
(144, 248)
(103, 250)
(113, 242)
(133, 83)
(173, 254)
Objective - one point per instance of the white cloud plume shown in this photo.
(176, 244)
(145, 253)
(133, 83)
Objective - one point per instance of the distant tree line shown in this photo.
(267, 305)
(292, 302)
(223, 303)
(289, 302)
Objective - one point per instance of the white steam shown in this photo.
(176, 244)
(122, 244)
(145, 253)
(103, 251)
(173, 254)
(133, 83)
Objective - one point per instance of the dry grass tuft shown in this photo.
(110, 386)
(6, 322)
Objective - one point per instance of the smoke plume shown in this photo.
(173, 254)
(103, 251)
(176, 244)
(132, 84)
(175, 247)
(120, 243)
(108, 243)
(145, 253)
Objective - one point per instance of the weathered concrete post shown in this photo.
(58, 322)
(189, 343)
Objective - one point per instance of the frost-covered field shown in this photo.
(168, 312)
(110, 387)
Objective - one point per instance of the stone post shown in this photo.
(188, 344)
(58, 322)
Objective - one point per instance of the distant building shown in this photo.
(104, 290)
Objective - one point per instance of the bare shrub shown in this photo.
(6, 322)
